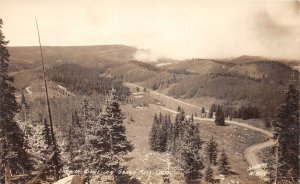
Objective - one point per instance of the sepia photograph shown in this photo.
(149, 91)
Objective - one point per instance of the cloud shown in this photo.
(170, 28)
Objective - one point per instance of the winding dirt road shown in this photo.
(250, 153)
(28, 90)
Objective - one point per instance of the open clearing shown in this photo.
(233, 138)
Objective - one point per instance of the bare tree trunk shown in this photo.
(47, 99)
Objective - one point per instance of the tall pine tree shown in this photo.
(12, 150)
(209, 174)
(286, 128)
(76, 144)
(223, 162)
(220, 119)
(191, 165)
(212, 110)
(161, 133)
(212, 151)
(190, 146)
(169, 133)
(24, 108)
(178, 129)
(55, 166)
(47, 134)
(112, 144)
(154, 133)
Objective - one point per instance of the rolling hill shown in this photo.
(29, 57)
(238, 81)
(253, 81)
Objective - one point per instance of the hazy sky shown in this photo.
(171, 28)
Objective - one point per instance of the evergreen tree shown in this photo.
(223, 162)
(179, 109)
(220, 119)
(154, 134)
(185, 148)
(190, 144)
(271, 165)
(85, 134)
(183, 140)
(191, 135)
(163, 133)
(209, 174)
(179, 122)
(47, 134)
(24, 107)
(248, 112)
(212, 110)
(70, 147)
(203, 110)
(115, 143)
(211, 151)
(286, 128)
(54, 167)
(57, 163)
(39, 150)
(169, 134)
(13, 145)
(178, 129)
(77, 146)
(191, 165)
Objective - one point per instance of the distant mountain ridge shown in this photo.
(26, 57)
(243, 80)
(29, 57)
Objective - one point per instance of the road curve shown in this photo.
(250, 153)
(28, 90)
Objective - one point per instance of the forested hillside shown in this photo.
(253, 81)
(259, 83)
(86, 81)
(29, 57)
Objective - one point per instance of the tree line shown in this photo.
(86, 81)
(182, 140)
(231, 90)
(244, 111)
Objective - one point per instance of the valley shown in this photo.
(146, 89)
(149, 92)
(249, 153)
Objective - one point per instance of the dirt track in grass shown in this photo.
(235, 138)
